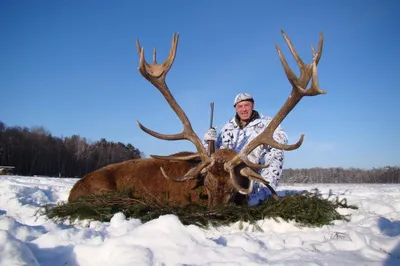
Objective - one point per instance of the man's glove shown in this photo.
(211, 134)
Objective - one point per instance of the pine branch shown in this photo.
(307, 209)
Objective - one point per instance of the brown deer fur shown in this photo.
(144, 176)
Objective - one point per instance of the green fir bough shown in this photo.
(306, 208)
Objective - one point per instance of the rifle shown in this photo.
(211, 144)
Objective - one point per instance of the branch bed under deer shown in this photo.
(306, 209)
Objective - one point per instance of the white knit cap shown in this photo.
(242, 97)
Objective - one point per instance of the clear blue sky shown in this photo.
(71, 67)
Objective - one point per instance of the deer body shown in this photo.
(144, 176)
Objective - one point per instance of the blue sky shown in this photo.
(71, 67)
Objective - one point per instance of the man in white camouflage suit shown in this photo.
(239, 131)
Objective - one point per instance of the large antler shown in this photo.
(299, 90)
(156, 73)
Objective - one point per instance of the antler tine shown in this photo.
(320, 45)
(254, 176)
(156, 74)
(296, 56)
(155, 56)
(307, 72)
(191, 174)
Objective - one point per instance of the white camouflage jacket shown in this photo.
(231, 136)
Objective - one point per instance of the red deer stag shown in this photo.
(221, 175)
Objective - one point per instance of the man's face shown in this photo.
(244, 110)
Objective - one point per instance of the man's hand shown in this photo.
(211, 134)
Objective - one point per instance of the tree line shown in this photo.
(36, 152)
(388, 174)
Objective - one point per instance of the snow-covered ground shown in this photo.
(372, 237)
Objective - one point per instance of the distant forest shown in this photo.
(388, 174)
(36, 152)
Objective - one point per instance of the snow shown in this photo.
(27, 237)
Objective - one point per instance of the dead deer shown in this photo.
(224, 175)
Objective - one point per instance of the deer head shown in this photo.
(226, 172)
